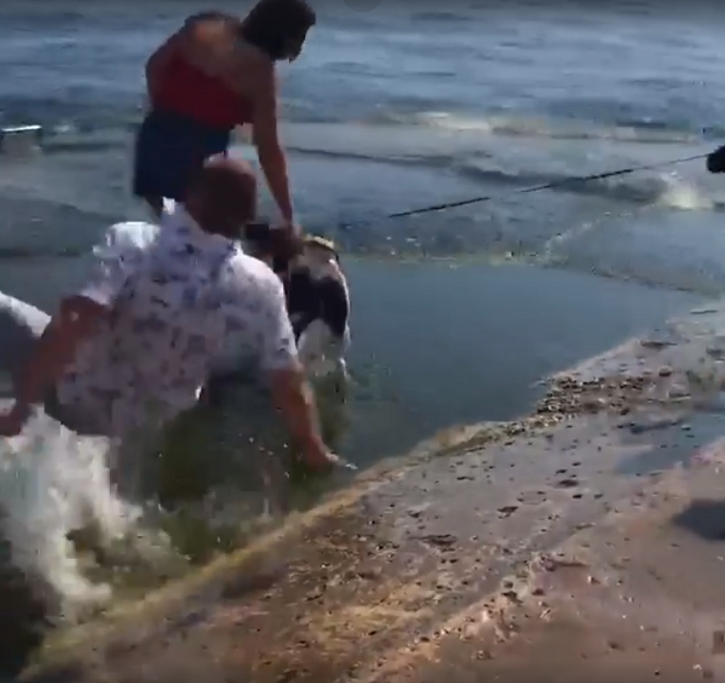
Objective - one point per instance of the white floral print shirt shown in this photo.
(174, 293)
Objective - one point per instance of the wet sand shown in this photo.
(586, 539)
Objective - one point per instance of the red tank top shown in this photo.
(188, 91)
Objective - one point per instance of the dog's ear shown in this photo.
(324, 244)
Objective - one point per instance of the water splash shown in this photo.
(53, 483)
(683, 195)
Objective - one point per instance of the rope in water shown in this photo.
(563, 182)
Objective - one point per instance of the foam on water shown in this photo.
(682, 195)
(52, 483)
(543, 127)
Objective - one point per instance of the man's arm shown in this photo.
(294, 399)
(290, 389)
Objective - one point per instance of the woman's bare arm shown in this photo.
(266, 139)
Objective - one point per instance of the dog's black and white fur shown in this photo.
(318, 302)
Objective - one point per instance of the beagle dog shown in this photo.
(318, 298)
(318, 301)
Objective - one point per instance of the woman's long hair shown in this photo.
(278, 27)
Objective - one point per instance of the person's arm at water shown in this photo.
(265, 135)
(290, 389)
(294, 399)
(265, 314)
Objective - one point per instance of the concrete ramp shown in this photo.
(584, 541)
(474, 561)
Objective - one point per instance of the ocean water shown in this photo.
(456, 315)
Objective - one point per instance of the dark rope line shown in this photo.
(571, 180)
(563, 182)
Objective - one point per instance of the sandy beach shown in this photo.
(584, 540)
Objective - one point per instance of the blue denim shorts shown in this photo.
(169, 150)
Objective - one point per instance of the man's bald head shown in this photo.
(222, 197)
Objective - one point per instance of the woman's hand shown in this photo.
(265, 136)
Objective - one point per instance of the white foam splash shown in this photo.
(447, 121)
(53, 482)
(680, 194)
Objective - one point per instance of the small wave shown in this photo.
(409, 159)
(641, 132)
(106, 130)
(642, 188)
(663, 189)
(677, 193)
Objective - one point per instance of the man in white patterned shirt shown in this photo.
(133, 348)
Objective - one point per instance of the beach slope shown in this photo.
(585, 540)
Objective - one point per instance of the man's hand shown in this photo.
(295, 400)
(320, 458)
(13, 420)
